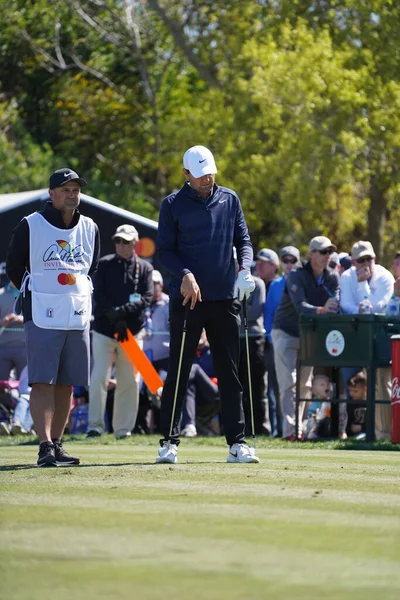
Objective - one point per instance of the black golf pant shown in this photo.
(221, 322)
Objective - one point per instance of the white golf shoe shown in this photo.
(167, 453)
(241, 453)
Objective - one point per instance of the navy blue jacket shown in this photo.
(196, 235)
(304, 294)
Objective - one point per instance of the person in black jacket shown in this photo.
(314, 289)
(123, 288)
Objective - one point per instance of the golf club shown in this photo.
(246, 336)
(178, 375)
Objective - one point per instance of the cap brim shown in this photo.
(201, 171)
(123, 236)
(365, 253)
(81, 181)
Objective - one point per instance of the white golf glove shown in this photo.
(244, 284)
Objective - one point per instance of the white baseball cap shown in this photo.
(199, 161)
(157, 277)
(126, 232)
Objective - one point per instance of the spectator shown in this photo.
(255, 322)
(344, 262)
(267, 267)
(22, 422)
(366, 279)
(12, 337)
(290, 259)
(197, 229)
(51, 256)
(357, 386)
(157, 345)
(123, 288)
(334, 262)
(312, 289)
(201, 401)
(396, 265)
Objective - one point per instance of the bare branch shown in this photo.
(114, 39)
(48, 58)
(59, 54)
(92, 71)
(180, 41)
(137, 42)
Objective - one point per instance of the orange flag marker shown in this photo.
(140, 361)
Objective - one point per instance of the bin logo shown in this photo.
(335, 343)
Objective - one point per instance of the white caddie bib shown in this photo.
(60, 260)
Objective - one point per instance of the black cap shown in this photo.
(62, 176)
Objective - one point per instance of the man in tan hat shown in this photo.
(123, 289)
(366, 280)
(312, 289)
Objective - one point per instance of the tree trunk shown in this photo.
(376, 217)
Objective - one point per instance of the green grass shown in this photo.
(311, 521)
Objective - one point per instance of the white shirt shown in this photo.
(378, 289)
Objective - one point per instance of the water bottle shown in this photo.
(366, 306)
(392, 308)
(148, 326)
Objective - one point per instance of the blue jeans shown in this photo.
(22, 413)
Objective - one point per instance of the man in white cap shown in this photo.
(123, 288)
(197, 229)
(366, 280)
(312, 289)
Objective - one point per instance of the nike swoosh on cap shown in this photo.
(201, 161)
(67, 174)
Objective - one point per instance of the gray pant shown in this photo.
(12, 356)
(286, 349)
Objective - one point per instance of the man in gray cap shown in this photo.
(267, 266)
(310, 289)
(123, 289)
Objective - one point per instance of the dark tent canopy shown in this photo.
(13, 207)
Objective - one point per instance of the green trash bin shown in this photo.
(348, 341)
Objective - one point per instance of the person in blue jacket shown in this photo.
(198, 227)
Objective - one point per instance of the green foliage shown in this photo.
(299, 101)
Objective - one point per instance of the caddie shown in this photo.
(51, 257)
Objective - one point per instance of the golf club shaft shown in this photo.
(246, 336)
(178, 375)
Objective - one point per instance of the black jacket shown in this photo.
(113, 285)
(304, 294)
(18, 251)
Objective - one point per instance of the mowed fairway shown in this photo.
(310, 523)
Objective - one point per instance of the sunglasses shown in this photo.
(364, 259)
(118, 240)
(325, 252)
(289, 261)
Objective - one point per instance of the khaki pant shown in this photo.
(383, 412)
(106, 352)
(286, 349)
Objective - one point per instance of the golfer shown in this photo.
(51, 256)
(198, 227)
